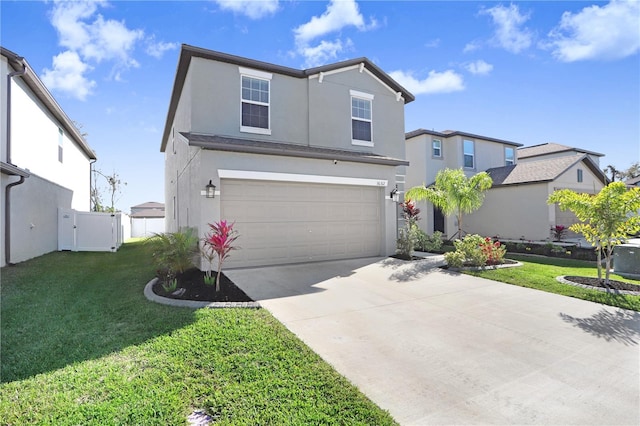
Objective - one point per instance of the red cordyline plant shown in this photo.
(219, 242)
(410, 211)
(494, 251)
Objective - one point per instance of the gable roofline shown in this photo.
(552, 148)
(505, 172)
(42, 93)
(187, 52)
(450, 133)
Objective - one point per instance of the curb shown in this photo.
(194, 304)
(604, 290)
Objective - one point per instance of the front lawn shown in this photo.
(540, 273)
(81, 345)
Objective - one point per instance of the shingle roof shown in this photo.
(35, 84)
(149, 213)
(149, 205)
(545, 170)
(225, 143)
(187, 52)
(450, 133)
(633, 181)
(551, 148)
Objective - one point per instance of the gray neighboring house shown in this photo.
(523, 178)
(633, 182)
(305, 162)
(147, 219)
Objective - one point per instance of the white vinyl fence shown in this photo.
(146, 226)
(89, 231)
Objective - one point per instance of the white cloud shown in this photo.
(471, 46)
(254, 9)
(432, 43)
(479, 67)
(509, 33)
(597, 32)
(338, 15)
(436, 82)
(89, 38)
(68, 76)
(157, 48)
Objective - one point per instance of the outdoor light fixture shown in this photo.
(394, 193)
(210, 190)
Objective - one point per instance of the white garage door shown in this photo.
(285, 222)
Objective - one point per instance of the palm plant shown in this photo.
(174, 251)
(454, 193)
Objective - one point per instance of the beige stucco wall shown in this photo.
(513, 212)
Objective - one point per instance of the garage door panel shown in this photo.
(288, 222)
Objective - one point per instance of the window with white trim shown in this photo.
(468, 154)
(509, 156)
(255, 99)
(361, 122)
(436, 148)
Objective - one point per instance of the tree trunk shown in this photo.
(608, 256)
(599, 260)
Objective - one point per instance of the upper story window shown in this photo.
(60, 143)
(469, 156)
(255, 97)
(361, 123)
(509, 156)
(436, 148)
(579, 175)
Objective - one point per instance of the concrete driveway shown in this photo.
(434, 347)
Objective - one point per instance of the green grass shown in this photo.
(540, 273)
(81, 345)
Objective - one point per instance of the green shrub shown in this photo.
(455, 259)
(429, 243)
(469, 246)
(406, 243)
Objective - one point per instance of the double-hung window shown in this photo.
(509, 156)
(361, 123)
(436, 148)
(469, 160)
(255, 99)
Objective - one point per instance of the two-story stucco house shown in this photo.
(430, 151)
(303, 161)
(523, 178)
(45, 163)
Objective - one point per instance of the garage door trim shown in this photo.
(293, 177)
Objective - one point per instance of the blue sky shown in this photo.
(528, 72)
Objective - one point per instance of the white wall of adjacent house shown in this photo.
(40, 144)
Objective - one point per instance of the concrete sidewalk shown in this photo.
(434, 347)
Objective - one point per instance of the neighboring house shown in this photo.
(523, 178)
(516, 205)
(147, 219)
(430, 151)
(554, 150)
(304, 161)
(633, 182)
(45, 163)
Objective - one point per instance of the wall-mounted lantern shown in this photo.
(394, 194)
(210, 190)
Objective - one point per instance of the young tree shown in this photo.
(454, 193)
(607, 218)
(115, 185)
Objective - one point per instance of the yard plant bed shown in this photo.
(191, 286)
(595, 282)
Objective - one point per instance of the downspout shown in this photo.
(7, 199)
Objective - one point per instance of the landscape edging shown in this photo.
(194, 304)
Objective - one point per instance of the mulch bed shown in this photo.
(191, 286)
(595, 282)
